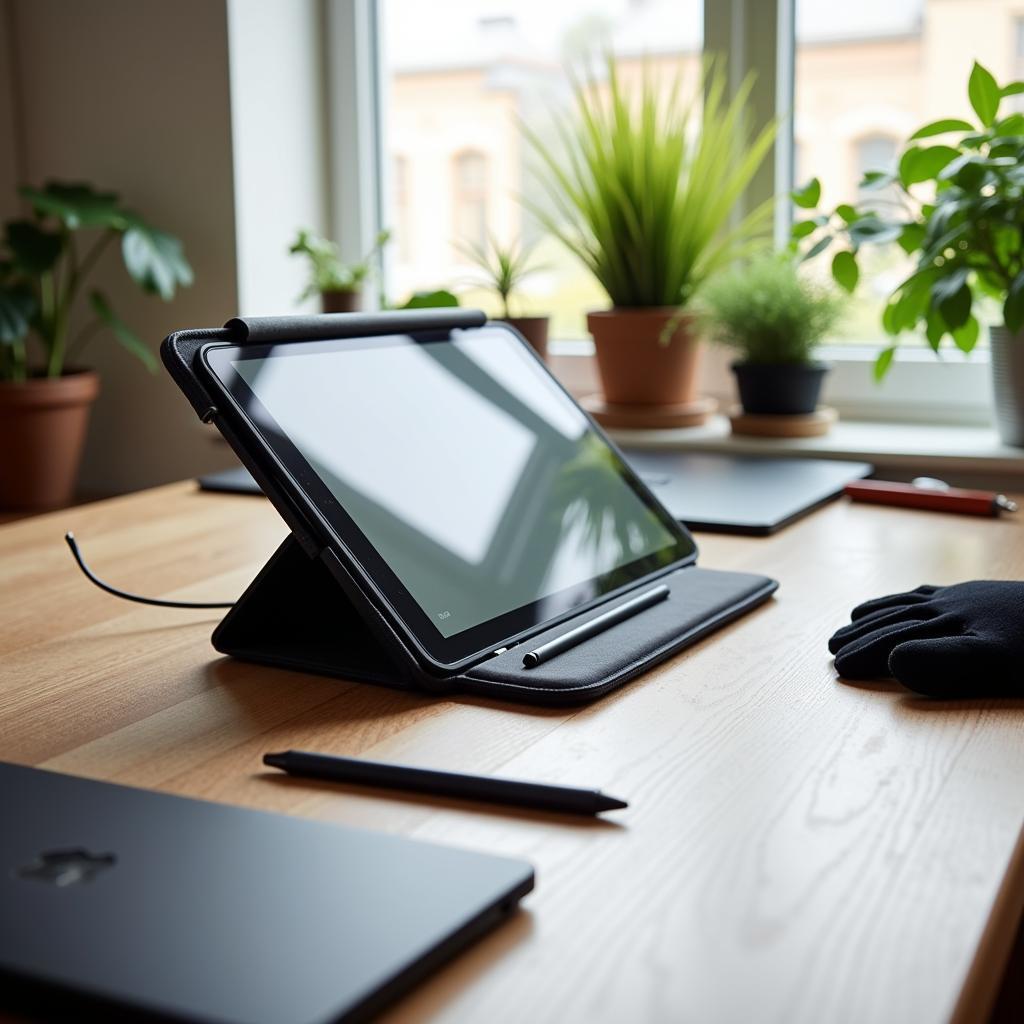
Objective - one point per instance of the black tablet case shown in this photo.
(306, 610)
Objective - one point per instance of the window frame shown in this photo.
(753, 36)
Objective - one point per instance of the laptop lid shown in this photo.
(187, 910)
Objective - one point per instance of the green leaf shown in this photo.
(124, 334)
(911, 238)
(874, 230)
(1013, 307)
(17, 307)
(1012, 125)
(819, 246)
(803, 228)
(983, 93)
(33, 250)
(1013, 89)
(845, 271)
(890, 319)
(955, 306)
(808, 197)
(883, 362)
(155, 260)
(873, 180)
(847, 213)
(922, 164)
(935, 328)
(76, 205)
(947, 124)
(966, 337)
(429, 300)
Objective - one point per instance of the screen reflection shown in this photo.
(479, 482)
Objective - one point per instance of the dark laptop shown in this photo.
(132, 903)
(752, 494)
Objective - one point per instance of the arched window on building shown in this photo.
(470, 197)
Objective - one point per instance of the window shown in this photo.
(857, 78)
(458, 77)
(469, 199)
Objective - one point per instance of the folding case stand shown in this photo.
(305, 611)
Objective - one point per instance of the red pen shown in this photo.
(927, 493)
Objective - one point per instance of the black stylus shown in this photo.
(424, 780)
(595, 626)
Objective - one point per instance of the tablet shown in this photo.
(453, 476)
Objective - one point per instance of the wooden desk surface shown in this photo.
(796, 849)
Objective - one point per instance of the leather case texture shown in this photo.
(306, 611)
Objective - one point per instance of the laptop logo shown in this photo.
(66, 867)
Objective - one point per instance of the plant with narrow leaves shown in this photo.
(768, 312)
(504, 267)
(640, 196)
(959, 213)
(42, 274)
(327, 271)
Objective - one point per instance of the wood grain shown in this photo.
(797, 848)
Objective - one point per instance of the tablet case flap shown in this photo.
(297, 615)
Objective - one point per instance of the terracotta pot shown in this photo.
(534, 329)
(43, 424)
(636, 368)
(342, 302)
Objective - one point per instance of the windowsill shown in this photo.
(907, 449)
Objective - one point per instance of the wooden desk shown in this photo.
(796, 849)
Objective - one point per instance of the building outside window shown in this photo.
(469, 199)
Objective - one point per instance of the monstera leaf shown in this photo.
(155, 260)
(33, 250)
(76, 205)
(17, 307)
(128, 339)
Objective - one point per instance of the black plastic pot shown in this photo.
(778, 388)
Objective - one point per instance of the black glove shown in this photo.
(966, 640)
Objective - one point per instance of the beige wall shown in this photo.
(134, 97)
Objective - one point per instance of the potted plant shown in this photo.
(339, 284)
(961, 216)
(774, 319)
(505, 268)
(45, 390)
(644, 197)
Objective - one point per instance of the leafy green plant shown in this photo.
(642, 195)
(959, 212)
(504, 267)
(42, 274)
(430, 300)
(327, 271)
(768, 312)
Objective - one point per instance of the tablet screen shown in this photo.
(480, 486)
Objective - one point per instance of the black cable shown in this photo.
(93, 578)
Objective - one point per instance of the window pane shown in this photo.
(459, 74)
(870, 73)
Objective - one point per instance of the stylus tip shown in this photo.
(276, 760)
(609, 803)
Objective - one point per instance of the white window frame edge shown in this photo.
(358, 170)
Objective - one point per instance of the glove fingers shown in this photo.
(868, 657)
(875, 621)
(954, 666)
(922, 593)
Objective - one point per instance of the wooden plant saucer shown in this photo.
(812, 424)
(648, 417)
